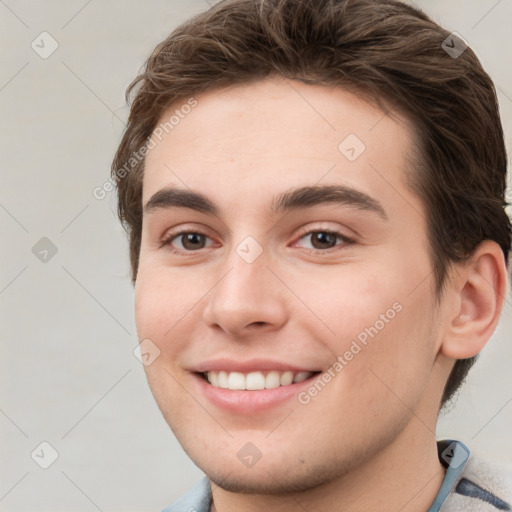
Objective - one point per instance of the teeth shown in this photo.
(215, 379)
(272, 380)
(222, 380)
(299, 377)
(236, 380)
(286, 378)
(255, 380)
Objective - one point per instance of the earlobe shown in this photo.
(480, 286)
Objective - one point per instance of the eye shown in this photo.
(325, 241)
(190, 241)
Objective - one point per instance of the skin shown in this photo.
(367, 440)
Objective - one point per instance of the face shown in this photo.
(292, 303)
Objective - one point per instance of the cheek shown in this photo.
(380, 331)
(354, 303)
(158, 309)
(160, 303)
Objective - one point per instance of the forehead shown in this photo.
(241, 142)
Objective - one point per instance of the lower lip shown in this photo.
(250, 402)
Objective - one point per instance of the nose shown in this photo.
(248, 298)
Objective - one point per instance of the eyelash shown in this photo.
(167, 241)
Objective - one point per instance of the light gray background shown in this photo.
(68, 375)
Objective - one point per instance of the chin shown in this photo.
(275, 481)
(274, 474)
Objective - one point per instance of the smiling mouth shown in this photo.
(254, 381)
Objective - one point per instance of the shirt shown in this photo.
(469, 485)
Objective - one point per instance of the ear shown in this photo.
(478, 287)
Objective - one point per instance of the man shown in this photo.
(314, 194)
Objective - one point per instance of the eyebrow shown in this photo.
(303, 197)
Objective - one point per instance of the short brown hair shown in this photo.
(383, 50)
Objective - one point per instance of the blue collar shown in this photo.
(453, 455)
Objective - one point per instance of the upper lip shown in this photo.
(251, 365)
